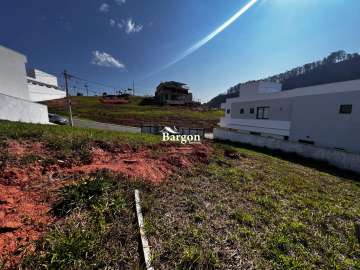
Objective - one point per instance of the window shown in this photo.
(228, 111)
(345, 109)
(241, 111)
(252, 110)
(307, 142)
(262, 113)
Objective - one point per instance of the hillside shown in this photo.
(338, 66)
(67, 202)
(138, 113)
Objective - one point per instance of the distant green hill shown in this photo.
(338, 66)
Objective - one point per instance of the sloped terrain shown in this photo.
(66, 202)
(37, 171)
(136, 113)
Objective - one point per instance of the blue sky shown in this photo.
(118, 41)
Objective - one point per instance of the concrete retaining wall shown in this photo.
(16, 109)
(340, 159)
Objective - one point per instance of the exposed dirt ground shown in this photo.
(30, 175)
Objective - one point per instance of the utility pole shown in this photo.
(66, 77)
(87, 90)
(133, 88)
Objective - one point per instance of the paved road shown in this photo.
(104, 126)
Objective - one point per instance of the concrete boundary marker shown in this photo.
(144, 241)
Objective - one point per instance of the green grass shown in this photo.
(245, 208)
(98, 231)
(91, 108)
(63, 137)
(256, 211)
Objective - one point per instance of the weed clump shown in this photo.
(195, 257)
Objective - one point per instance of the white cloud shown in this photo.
(132, 27)
(104, 8)
(105, 60)
(128, 25)
(112, 22)
(120, 2)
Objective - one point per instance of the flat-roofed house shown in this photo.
(173, 93)
(16, 97)
(325, 115)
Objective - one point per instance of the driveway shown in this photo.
(104, 126)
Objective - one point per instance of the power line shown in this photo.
(94, 82)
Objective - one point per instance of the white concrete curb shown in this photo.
(144, 241)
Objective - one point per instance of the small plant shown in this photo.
(195, 257)
(243, 218)
(84, 194)
(70, 247)
(149, 227)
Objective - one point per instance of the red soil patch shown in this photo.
(27, 191)
(142, 163)
(60, 103)
(20, 149)
(113, 101)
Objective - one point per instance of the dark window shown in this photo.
(255, 133)
(262, 113)
(252, 110)
(345, 109)
(307, 142)
(241, 111)
(286, 138)
(228, 111)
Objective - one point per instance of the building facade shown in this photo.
(43, 86)
(324, 115)
(173, 93)
(16, 99)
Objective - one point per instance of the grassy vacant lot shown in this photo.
(254, 210)
(242, 209)
(135, 114)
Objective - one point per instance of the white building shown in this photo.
(326, 116)
(43, 86)
(16, 97)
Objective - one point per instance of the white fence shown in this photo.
(340, 159)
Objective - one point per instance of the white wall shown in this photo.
(13, 80)
(43, 93)
(16, 109)
(340, 159)
(42, 77)
(15, 104)
(281, 128)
